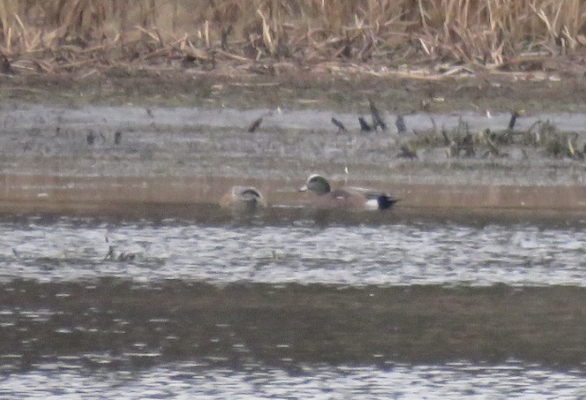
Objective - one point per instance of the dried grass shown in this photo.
(57, 35)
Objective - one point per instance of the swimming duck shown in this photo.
(346, 197)
(243, 197)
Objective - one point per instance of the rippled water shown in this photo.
(188, 381)
(282, 249)
(302, 251)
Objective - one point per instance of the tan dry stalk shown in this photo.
(467, 31)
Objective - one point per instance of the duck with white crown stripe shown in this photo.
(346, 197)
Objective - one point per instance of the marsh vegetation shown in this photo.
(272, 36)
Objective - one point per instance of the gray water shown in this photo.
(281, 251)
(190, 381)
(75, 323)
(296, 251)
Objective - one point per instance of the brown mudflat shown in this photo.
(136, 157)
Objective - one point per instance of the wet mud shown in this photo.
(345, 92)
(99, 159)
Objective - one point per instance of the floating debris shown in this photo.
(492, 148)
(563, 144)
(459, 142)
(376, 117)
(112, 256)
(467, 144)
(570, 144)
(400, 124)
(117, 137)
(91, 138)
(408, 151)
(340, 125)
(513, 120)
(126, 257)
(452, 150)
(447, 140)
(255, 124)
(5, 66)
(364, 127)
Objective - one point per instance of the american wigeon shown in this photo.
(244, 198)
(346, 197)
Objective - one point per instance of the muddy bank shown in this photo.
(88, 152)
(340, 91)
(98, 158)
(111, 323)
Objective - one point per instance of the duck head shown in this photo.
(316, 183)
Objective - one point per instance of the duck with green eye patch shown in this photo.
(346, 197)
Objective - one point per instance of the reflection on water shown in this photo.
(189, 381)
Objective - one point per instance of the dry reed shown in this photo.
(64, 35)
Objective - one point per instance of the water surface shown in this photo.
(187, 381)
(292, 303)
(301, 248)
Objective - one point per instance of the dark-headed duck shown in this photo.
(346, 197)
(244, 198)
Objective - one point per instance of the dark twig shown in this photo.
(255, 124)
(364, 127)
(400, 124)
(340, 125)
(376, 117)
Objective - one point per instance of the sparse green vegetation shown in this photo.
(461, 142)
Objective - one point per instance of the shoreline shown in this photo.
(175, 157)
(99, 195)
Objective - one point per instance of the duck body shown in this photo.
(346, 197)
(243, 198)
